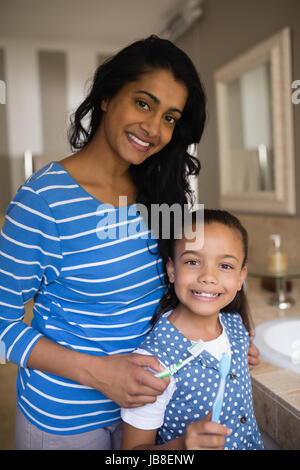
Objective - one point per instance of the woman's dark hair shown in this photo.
(240, 303)
(164, 176)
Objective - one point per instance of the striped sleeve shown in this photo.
(30, 257)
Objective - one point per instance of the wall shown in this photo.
(45, 82)
(260, 227)
(4, 163)
(53, 91)
(227, 29)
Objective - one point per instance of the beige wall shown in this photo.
(53, 90)
(259, 229)
(4, 158)
(227, 29)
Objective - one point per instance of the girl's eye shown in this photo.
(142, 104)
(191, 262)
(225, 266)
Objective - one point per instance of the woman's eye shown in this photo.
(171, 120)
(142, 104)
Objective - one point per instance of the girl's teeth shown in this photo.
(205, 294)
(138, 141)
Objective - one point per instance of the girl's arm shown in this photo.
(200, 435)
(138, 439)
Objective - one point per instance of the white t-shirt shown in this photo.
(151, 416)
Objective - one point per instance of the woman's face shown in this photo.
(140, 119)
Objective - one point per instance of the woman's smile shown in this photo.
(140, 144)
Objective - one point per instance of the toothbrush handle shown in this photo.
(218, 402)
(173, 368)
(168, 371)
(164, 373)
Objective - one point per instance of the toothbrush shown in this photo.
(223, 369)
(195, 349)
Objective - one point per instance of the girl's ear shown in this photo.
(242, 277)
(170, 270)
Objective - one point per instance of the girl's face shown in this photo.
(140, 119)
(207, 278)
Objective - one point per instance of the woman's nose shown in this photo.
(151, 125)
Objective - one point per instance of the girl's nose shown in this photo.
(208, 275)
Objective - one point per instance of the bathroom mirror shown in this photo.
(255, 129)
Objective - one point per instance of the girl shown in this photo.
(205, 300)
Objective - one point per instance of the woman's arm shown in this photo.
(253, 352)
(30, 253)
(200, 435)
(121, 378)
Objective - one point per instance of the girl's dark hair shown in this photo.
(163, 177)
(240, 303)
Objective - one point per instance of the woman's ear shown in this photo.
(104, 104)
(170, 270)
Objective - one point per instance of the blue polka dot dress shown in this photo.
(197, 384)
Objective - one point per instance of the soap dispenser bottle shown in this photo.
(277, 259)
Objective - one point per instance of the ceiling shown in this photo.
(112, 23)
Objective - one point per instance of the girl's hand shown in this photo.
(201, 435)
(206, 435)
(123, 379)
(253, 352)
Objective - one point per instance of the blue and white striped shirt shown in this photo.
(96, 283)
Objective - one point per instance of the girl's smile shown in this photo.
(206, 296)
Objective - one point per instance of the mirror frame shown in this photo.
(282, 200)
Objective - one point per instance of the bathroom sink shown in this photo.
(279, 342)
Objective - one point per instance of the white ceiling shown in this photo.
(112, 23)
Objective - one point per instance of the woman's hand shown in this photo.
(123, 379)
(253, 352)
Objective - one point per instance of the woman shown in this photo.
(94, 293)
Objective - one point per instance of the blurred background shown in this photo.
(49, 51)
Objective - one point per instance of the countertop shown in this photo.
(276, 391)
